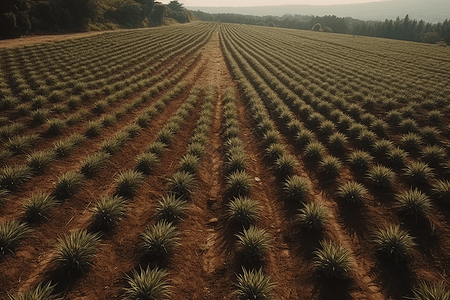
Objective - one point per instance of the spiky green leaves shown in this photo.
(436, 291)
(67, 184)
(296, 188)
(40, 292)
(76, 251)
(313, 216)
(11, 177)
(243, 211)
(414, 204)
(93, 163)
(181, 184)
(394, 243)
(381, 176)
(148, 284)
(11, 233)
(160, 239)
(253, 243)
(128, 182)
(170, 208)
(37, 207)
(352, 192)
(254, 285)
(108, 212)
(239, 183)
(332, 260)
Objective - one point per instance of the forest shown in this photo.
(22, 17)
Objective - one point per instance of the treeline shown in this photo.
(404, 29)
(20, 17)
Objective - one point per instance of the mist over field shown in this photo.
(429, 11)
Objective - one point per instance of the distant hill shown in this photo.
(427, 10)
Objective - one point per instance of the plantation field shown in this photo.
(208, 160)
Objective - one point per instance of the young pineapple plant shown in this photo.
(275, 151)
(254, 285)
(156, 147)
(128, 183)
(333, 261)
(253, 243)
(93, 163)
(314, 151)
(39, 161)
(411, 141)
(313, 216)
(243, 211)
(12, 177)
(76, 251)
(189, 163)
(160, 239)
(296, 188)
(108, 212)
(394, 243)
(330, 166)
(304, 137)
(381, 177)
(382, 147)
(146, 162)
(441, 189)
(434, 156)
(285, 165)
(11, 234)
(55, 126)
(360, 160)
(239, 183)
(40, 292)
(148, 284)
(352, 192)
(397, 157)
(67, 184)
(181, 184)
(418, 173)
(435, 291)
(170, 208)
(38, 206)
(337, 142)
(414, 204)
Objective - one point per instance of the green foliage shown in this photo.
(37, 207)
(40, 292)
(254, 285)
(304, 137)
(352, 192)
(433, 291)
(108, 212)
(239, 183)
(360, 160)
(418, 173)
(148, 284)
(170, 208)
(313, 216)
(394, 243)
(337, 142)
(243, 211)
(330, 166)
(275, 151)
(381, 176)
(434, 155)
(39, 161)
(93, 128)
(11, 233)
(67, 184)
(442, 190)
(411, 141)
(382, 147)
(286, 164)
(160, 239)
(156, 147)
(93, 163)
(296, 188)
(22, 143)
(189, 163)
(76, 251)
(314, 151)
(128, 182)
(55, 126)
(415, 204)
(397, 156)
(181, 184)
(64, 147)
(332, 260)
(253, 243)
(12, 177)
(146, 162)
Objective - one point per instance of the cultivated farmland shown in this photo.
(200, 161)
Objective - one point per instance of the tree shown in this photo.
(175, 5)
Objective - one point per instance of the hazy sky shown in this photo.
(266, 2)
